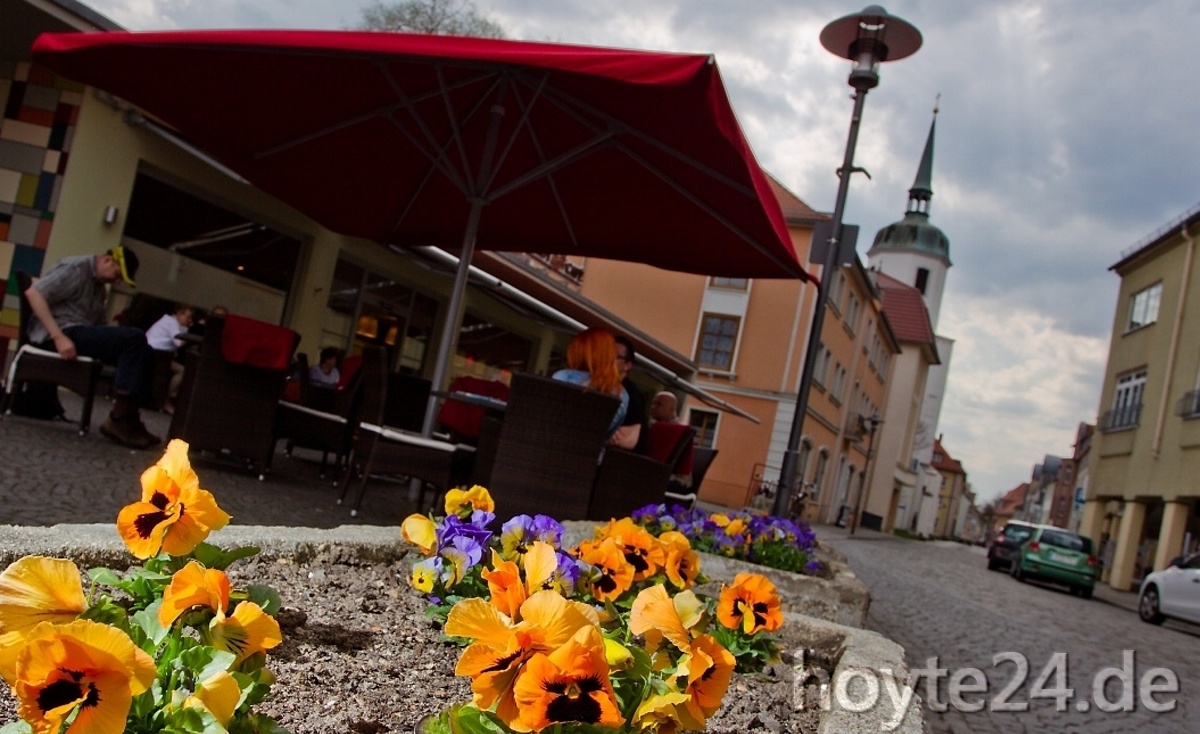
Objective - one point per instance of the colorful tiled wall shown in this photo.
(36, 129)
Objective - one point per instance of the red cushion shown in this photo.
(350, 367)
(661, 440)
(465, 419)
(257, 343)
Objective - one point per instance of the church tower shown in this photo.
(912, 250)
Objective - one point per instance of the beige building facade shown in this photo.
(1142, 492)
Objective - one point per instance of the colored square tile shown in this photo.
(42, 238)
(42, 97)
(10, 181)
(45, 189)
(10, 318)
(52, 205)
(29, 259)
(21, 73)
(65, 112)
(21, 157)
(22, 230)
(6, 256)
(58, 136)
(27, 191)
(34, 116)
(14, 100)
(50, 160)
(72, 94)
(23, 132)
(62, 162)
(4, 230)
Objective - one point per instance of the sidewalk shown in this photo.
(52, 476)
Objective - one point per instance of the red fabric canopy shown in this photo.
(619, 154)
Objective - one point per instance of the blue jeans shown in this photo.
(122, 346)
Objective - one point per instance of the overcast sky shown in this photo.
(1067, 134)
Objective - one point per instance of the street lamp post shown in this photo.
(870, 424)
(867, 38)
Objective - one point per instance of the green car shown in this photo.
(1060, 557)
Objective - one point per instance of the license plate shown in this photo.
(1060, 558)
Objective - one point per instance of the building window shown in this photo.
(922, 280)
(851, 313)
(818, 477)
(839, 382)
(836, 289)
(1143, 307)
(1127, 402)
(705, 423)
(717, 342)
(821, 366)
(737, 284)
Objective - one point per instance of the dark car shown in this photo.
(1058, 556)
(1004, 547)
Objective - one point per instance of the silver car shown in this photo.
(1172, 592)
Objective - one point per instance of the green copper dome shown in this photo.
(914, 232)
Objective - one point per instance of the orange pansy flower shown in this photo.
(658, 714)
(654, 616)
(569, 685)
(682, 564)
(248, 631)
(642, 550)
(616, 574)
(194, 586)
(750, 604)
(464, 501)
(501, 646)
(174, 514)
(419, 530)
(83, 667)
(35, 589)
(709, 668)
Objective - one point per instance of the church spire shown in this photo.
(922, 188)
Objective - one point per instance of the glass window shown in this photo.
(718, 339)
(1143, 307)
(1127, 402)
(739, 284)
(851, 312)
(818, 478)
(705, 423)
(922, 281)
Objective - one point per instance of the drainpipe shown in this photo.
(1176, 328)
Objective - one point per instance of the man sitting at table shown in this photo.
(70, 302)
(665, 432)
(163, 336)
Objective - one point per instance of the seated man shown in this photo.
(69, 302)
(163, 336)
(662, 437)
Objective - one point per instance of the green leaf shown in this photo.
(147, 621)
(266, 597)
(204, 662)
(105, 576)
(213, 557)
(16, 727)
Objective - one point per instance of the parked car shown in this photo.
(1172, 592)
(1004, 546)
(1059, 556)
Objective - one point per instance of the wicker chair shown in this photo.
(227, 403)
(323, 419)
(542, 457)
(627, 481)
(700, 463)
(32, 364)
(380, 449)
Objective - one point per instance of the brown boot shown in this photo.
(129, 431)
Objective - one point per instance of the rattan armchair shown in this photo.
(322, 419)
(33, 365)
(379, 449)
(228, 402)
(542, 457)
(627, 481)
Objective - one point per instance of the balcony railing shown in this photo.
(1124, 417)
(1189, 405)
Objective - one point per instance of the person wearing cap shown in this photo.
(70, 302)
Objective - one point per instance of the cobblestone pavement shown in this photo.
(937, 599)
(50, 475)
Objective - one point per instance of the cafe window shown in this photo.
(718, 339)
(705, 423)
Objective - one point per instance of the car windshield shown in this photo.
(1018, 532)
(1068, 540)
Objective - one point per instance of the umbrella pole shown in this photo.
(454, 316)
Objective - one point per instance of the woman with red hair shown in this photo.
(592, 363)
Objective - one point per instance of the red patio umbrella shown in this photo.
(458, 143)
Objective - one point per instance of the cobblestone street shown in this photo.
(938, 600)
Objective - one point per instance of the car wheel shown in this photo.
(993, 564)
(1148, 606)
(1016, 572)
(1085, 592)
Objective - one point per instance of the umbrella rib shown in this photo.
(553, 164)
(521, 123)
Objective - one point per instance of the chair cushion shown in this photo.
(257, 343)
